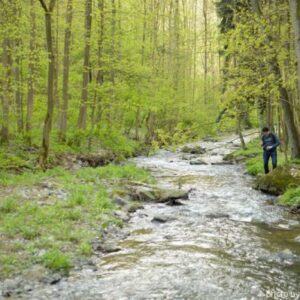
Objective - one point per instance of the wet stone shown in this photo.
(162, 219)
(174, 202)
(106, 247)
(295, 209)
(222, 163)
(120, 201)
(197, 162)
(217, 216)
(52, 279)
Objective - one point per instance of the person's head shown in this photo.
(265, 131)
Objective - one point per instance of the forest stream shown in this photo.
(226, 242)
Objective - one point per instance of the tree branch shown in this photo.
(52, 4)
(44, 5)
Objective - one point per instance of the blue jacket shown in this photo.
(270, 140)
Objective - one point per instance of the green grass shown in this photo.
(64, 228)
(290, 197)
(56, 261)
(85, 249)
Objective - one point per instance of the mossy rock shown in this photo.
(102, 158)
(193, 150)
(278, 181)
(149, 193)
(228, 157)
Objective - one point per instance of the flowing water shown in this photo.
(225, 242)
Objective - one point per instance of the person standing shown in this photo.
(270, 142)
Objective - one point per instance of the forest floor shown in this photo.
(51, 217)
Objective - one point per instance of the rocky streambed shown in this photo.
(222, 240)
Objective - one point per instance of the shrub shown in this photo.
(55, 260)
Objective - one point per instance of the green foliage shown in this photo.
(255, 166)
(253, 148)
(11, 162)
(151, 76)
(57, 225)
(56, 261)
(8, 205)
(114, 172)
(290, 197)
(113, 140)
(85, 249)
(10, 263)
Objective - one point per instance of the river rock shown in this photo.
(228, 157)
(106, 247)
(295, 209)
(222, 163)
(52, 279)
(162, 219)
(120, 201)
(193, 150)
(197, 162)
(285, 256)
(174, 202)
(96, 160)
(217, 216)
(209, 138)
(150, 193)
(35, 273)
(188, 157)
(133, 207)
(12, 286)
(122, 215)
(277, 181)
(297, 239)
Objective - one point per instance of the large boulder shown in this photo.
(193, 149)
(151, 193)
(278, 181)
(99, 159)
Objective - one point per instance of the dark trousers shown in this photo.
(267, 155)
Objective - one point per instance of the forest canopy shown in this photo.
(82, 75)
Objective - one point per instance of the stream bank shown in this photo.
(225, 242)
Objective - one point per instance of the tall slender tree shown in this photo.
(86, 66)
(48, 10)
(66, 73)
(32, 71)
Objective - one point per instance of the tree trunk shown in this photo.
(205, 50)
(288, 114)
(7, 89)
(195, 51)
(112, 67)
(239, 130)
(86, 66)
(295, 14)
(51, 73)
(290, 122)
(100, 74)
(57, 104)
(18, 80)
(96, 106)
(30, 93)
(66, 72)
